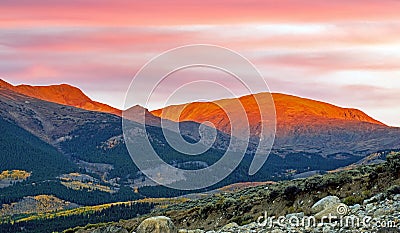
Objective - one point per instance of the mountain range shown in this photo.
(61, 122)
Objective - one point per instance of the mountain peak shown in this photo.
(64, 94)
(293, 114)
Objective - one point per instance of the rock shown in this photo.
(252, 225)
(324, 203)
(336, 209)
(370, 207)
(159, 224)
(110, 229)
(329, 206)
(326, 229)
(190, 231)
(229, 227)
(296, 215)
(383, 211)
(388, 230)
(277, 231)
(396, 197)
(376, 198)
(355, 208)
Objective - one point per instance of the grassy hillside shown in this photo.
(20, 150)
(280, 198)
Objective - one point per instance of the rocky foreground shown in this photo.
(381, 213)
(362, 199)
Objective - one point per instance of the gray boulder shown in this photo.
(159, 224)
(325, 203)
(329, 206)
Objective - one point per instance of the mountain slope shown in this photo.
(62, 94)
(21, 150)
(49, 121)
(94, 140)
(302, 124)
(290, 112)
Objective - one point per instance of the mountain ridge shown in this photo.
(302, 124)
(292, 112)
(286, 105)
(64, 94)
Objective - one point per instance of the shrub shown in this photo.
(373, 176)
(313, 183)
(352, 200)
(291, 191)
(242, 220)
(229, 202)
(393, 161)
(380, 169)
(273, 195)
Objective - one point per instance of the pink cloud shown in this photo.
(173, 12)
(325, 61)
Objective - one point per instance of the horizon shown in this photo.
(344, 53)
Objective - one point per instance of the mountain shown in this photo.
(291, 112)
(91, 141)
(80, 156)
(314, 136)
(49, 121)
(61, 94)
(302, 124)
(52, 141)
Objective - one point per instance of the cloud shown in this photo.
(178, 12)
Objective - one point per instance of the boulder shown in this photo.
(336, 209)
(324, 203)
(329, 206)
(159, 224)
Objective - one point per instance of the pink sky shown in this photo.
(343, 52)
